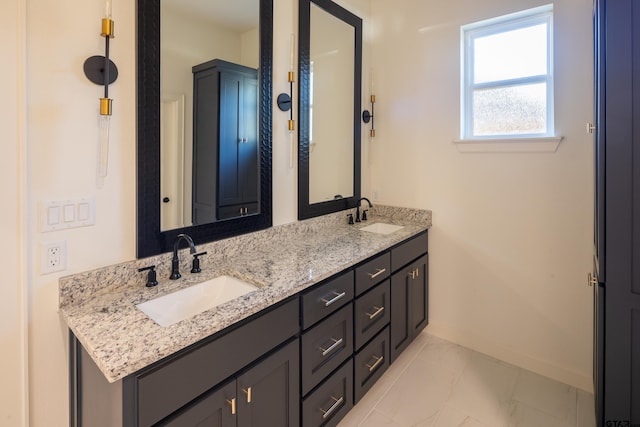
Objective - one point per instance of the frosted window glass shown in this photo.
(511, 54)
(514, 110)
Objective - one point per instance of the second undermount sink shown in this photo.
(185, 303)
(382, 228)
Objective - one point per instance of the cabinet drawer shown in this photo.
(330, 402)
(326, 298)
(326, 346)
(197, 370)
(370, 363)
(372, 312)
(408, 251)
(372, 272)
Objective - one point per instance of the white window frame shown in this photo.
(530, 17)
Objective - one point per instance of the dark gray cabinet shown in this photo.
(172, 388)
(225, 141)
(617, 213)
(409, 294)
(266, 394)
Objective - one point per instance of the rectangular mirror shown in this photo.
(330, 61)
(204, 120)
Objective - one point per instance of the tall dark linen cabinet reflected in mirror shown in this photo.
(330, 69)
(196, 185)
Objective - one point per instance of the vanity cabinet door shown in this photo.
(212, 410)
(409, 304)
(268, 393)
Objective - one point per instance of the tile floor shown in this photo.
(435, 383)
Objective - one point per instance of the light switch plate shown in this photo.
(62, 214)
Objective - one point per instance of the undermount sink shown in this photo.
(382, 228)
(180, 305)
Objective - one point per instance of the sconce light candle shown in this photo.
(102, 71)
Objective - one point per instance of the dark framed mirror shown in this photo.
(330, 78)
(207, 174)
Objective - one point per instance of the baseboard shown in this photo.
(544, 368)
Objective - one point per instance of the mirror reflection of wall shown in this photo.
(332, 53)
(194, 32)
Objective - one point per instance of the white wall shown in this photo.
(512, 236)
(13, 289)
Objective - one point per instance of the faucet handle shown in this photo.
(195, 266)
(151, 277)
(350, 216)
(364, 214)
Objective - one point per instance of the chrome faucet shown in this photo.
(175, 261)
(364, 213)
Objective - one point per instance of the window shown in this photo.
(507, 76)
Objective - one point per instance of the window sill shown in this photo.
(509, 145)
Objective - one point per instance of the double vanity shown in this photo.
(324, 308)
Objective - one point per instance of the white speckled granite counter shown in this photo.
(99, 305)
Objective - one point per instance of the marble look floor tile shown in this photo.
(407, 356)
(450, 417)
(586, 410)
(376, 419)
(549, 396)
(418, 394)
(484, 390)
(522, 415)
(445, 354)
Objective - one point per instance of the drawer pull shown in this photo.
(247, 391)
(336, 297)
(332, 347)
(336, 404)
(375, 364)
(378, 272)
(377, 312)
(232, 403)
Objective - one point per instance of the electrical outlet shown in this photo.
(53, 257)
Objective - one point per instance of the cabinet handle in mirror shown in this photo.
(377, 311)
(336, 297)
(247, 391)
(232, 403)
(378, 272)
(378, 361)
(332, 347)
(336, 404)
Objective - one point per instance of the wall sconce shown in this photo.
(368, 116)
(285, 101)
(102, 71)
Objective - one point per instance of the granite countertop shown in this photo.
(99, 306)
